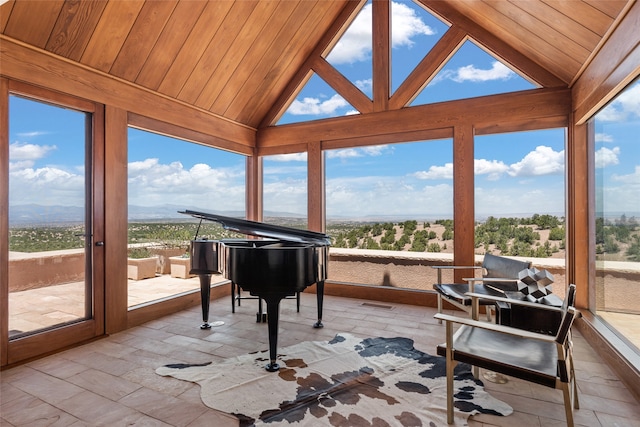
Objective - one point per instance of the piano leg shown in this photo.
(320, 298)
(205, 296)
(273, 308)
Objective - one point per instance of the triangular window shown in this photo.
(351, 55)
(414, 32)
(316, 100)
(471, 72)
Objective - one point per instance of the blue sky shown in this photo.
(515, 174)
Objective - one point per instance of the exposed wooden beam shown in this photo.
(615, 66)
(26, 63)
(580, 247)
(430, 65)
(381, 54)
(423, 135)
(463, 200)
(115, 227)
(523, 107)
(342, 85)
(316, 188)
(254, 199)
(174, 131)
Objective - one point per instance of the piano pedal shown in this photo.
(261, 317)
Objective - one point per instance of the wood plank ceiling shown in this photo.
(236, 59)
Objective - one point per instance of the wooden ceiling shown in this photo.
(243, 60)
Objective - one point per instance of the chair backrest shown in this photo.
(563, 337)
(505, 268)
(569, 313)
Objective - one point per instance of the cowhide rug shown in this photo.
(347, 381)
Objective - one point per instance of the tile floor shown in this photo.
(112, 381)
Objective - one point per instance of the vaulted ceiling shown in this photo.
(244, 60)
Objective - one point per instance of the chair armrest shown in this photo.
(495, 327)
(453, 267)
(514, 302)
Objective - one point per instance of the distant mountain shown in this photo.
(33, 214)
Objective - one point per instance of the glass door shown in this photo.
(51, 300)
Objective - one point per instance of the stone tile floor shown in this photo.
(112, 381)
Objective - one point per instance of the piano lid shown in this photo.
(260, 229)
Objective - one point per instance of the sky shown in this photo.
(516, 174)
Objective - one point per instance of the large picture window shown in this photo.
(167, 175)
(396, 198)
(617, 212)
(520, 198)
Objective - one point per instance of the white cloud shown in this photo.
(151, 182)
(315, 106)
(469, 73)
(32, 134)
(630, 179)
(355, 44)
(25, 151)
(542, 161)
(623, 197)
(406, 25)
(372, 150)
(624, 107)
(436, 172)
(386, 195)
(45, 186)
(365, 85)
(603, 137)
(517, 200)
(294, 157)
(492, 168)
(607, 157)
(288, 195)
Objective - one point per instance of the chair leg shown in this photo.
(451, 364)
(568, 404)
(439, 307)
(576, 401)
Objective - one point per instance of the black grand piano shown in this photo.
(283, 262)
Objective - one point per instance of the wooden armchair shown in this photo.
(530, 356)
(502, 271)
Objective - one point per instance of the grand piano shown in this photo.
(281, 263)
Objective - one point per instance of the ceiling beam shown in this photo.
(427, 69)
(526, 109)
(27, 63)
(342, 85)
(381, 54)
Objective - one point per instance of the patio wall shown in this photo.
(373, 267)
